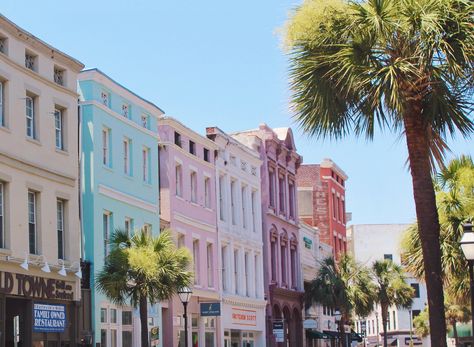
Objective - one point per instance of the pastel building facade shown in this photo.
(188, 208)
(371, 242)
(119, 188)
(322, 202)
(39, 211)
(240, 251)
(280, 230)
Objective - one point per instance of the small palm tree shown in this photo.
(343, 285)
(143, 269)
(391, 289)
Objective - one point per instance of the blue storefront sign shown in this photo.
(210, 309)
(49, 318)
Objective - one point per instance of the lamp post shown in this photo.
(467, 246)
(338, 317)
(185, 295)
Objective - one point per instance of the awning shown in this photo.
(355, 336)
(332, 334)
(317, 335)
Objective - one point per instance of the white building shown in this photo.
(240, 242)
(317, 318)
(371, 242)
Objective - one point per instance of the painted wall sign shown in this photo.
(35, 286)
(244, 317)
(49, 318)
(278, 331)
(210, 309)
(307, 242)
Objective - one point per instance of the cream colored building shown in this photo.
(39, 204)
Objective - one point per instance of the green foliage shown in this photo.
(421, 323)
(454, 186)
(143, 266)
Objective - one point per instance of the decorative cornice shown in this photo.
(128, 199)
(244, 302)
(182, 151)
(176, 124)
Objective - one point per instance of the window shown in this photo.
(233, 187)
(196, 261)
(59, 75)
(30, 61)
(125, 110)
(106, 231)
(253, 223)
(246, 274)
(343, 204)
(103, 338)
(2, 215)
(224, 267)
(207, 192)
(193, 179)
(145, 164)
(281, 192)
(126, 338)
(60, 227)
(105, 147)
(180, 241)
(293, 268)
(394, 321)
(388, 256)
(126, 318)
(236, 270)
(416, 289)
(273, 251)
(338, 209)
(103, 315)
(210, 272)
(192, 147)
(104, 98)
(147, 228)
(177, 139)
(3, 45)
(388, 321)
(414, 314)
(113, 338)
(30, 117)
(334, 205)
(179, 180)
(2, 105)
(283, 264)
(244, 207)
(113, 315)
(145, 121)
(128, 225)
(206, 155)
(291, 193)
(222, 198)
(257, 276)
(271, 185)
(58, 128)
(126, 156)
(32, 219)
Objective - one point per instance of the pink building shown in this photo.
(282, 273)
(188, 208)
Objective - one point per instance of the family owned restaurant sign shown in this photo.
(49, 318)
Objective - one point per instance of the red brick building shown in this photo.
(322, 201)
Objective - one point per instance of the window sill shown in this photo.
(34, 141)
(146, 184)
(5, 251)
(128, 177)
(5, 129)
(62, 152)
(108, 168)
(194, 203)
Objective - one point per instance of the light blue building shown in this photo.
(119, 188)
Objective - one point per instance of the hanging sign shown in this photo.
(49, 318)
(278, 331)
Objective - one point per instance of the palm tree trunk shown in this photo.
(144, 320)
(418, 144)
(384, 324)
(455, 333)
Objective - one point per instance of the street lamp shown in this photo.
(338, 318)
(185, 295)
(467, 246)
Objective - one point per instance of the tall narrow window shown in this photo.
(394, 321)
(196, 261)
(206, 155)
(106, 231)
(125, 110)
(193, 179)
(224, 268)
(60, 227)
(343, 211)
(145, 164)
(30, 117)
(257, 276)
(126, 156)
(128, 225)
(104, 98)
(59, 75)
(207, 192)
(253, 221)
(144, 119)
(246, 274)
(210, 272)
(273, 250)
(192, 147)
(244, 207)
(2, 105)
(281, 193)
(222, 198)
(177, 139)
(334, 205)
(283, 264)
(293, 268)
(291, 198)
(147, 229)
(338, 208)
(271, 186)
(2, 215)
(32, 227)
(233, 204)
(181, 241)
(30, 61)
(105, 147)
(236, 270)
(58, 128)
(179, 180)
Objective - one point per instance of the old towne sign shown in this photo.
(49, 318)
(35, 286)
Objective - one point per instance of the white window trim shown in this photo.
(60, 226)
(34, 222)
(58, 127)
(30, 116)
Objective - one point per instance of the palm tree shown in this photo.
(454, 186)
(402, 65)
(343, 285)
(143, 269)
(391, 289)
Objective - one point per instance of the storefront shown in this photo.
(38, 311)
(243, 323)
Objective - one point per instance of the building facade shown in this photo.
(240, 252)
(371, 242)
(39, 211)
(280, 230)
(119, 154)
(188, 208)
(322, 202)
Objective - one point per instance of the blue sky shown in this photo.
(219, 63)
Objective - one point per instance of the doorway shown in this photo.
(16, 321)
